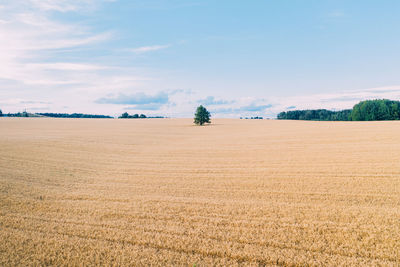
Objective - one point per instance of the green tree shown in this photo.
(383, 111)
(373, 110)
(202, 116)
(356, 113)
(124, 115)
(394, 111)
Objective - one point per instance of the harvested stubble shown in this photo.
(164, 192)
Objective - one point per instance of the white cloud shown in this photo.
(145, 49)
(29, 36)
(65, 66)
(65, 5)
(62, 6)
(33, 44)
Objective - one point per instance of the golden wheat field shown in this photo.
(164, 192)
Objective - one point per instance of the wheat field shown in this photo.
(164, 192)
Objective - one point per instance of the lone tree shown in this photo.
(202, 116)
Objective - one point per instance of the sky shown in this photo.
(237, 58)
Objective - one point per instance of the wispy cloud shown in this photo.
(135, 99)
(34, 52)
(247, 109)
(149, 107)
(254, 107)
(29, 36)
(34, 102)
(45, 56)
(65, 5)
(145, 49)
(65, 66)
(210, 100)
(62, 6)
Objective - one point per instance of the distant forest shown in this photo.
(19, 114)
(54, 115)
(316, 115)
(369, 110)
(137, 116)
(74, 115)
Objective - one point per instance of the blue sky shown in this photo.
(238, 58)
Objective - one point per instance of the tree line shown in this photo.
(74, 115)
(368, 110)
(19, 114)
(134, 116)
(53, 115)
(125, 115)
(316, 115)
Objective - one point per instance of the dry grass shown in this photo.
(164, 192)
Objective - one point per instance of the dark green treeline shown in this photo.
(369, 110)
